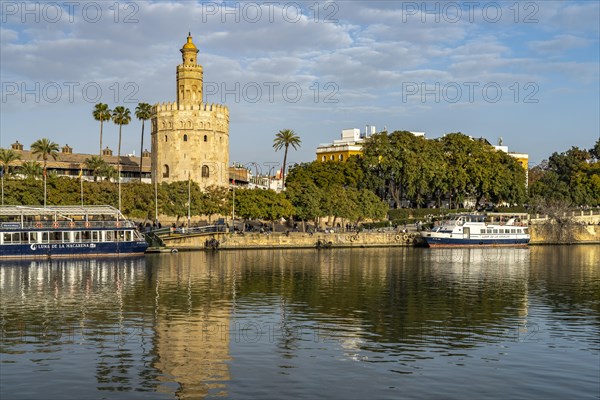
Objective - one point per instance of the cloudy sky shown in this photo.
(524, 71)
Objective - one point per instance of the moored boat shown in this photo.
(67, 231)
(477, 230)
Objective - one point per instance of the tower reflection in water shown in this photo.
(168, 326)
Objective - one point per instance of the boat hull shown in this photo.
(456, 242)
(51, 250)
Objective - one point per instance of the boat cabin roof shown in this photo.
(61, 210)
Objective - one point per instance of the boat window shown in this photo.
(512, 231)
(66, 238)
(45, 237)
(95, 236)
(33, 237)
(55, 236)
(526, 230)
(85, 236)
(77, 236)
(110, 236)
(495, 231)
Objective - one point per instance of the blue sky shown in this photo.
(524, 71)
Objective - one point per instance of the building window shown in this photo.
(341, 157)
(185, 138)
(165, 138)
(205, 171)
(331, 157)
(205, 138)
(165, 171)
(323, 158)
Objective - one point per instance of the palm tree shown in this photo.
(30, 169)
(7, 156)
(45, 148)
(120, 116)
(101, 113)
(109, 172)
(284, 139)
(143, 112)
(97, 165)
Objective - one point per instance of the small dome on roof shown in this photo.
(189, 44)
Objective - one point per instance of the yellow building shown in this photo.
(350, 144)
(190, 138)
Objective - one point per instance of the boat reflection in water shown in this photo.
(301, 323)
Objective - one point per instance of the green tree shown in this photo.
(215, 201)
(45, 149)
(7, 156)
(96, 165)
(143, 112)
(283, 140)
(306, 198)
(30, 169)
(101, 113)
(120, 116)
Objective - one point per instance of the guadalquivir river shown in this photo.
(344, 324)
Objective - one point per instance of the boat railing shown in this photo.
(65, 225)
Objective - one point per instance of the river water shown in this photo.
(396, 323)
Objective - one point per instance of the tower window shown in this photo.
(165, 138)
(205, 138)
(205, 171)
(323, 158)
(341, 157)
(185, 138)
(165, 171)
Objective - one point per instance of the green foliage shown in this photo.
(283, 140)
(7, 157)
(45, 148)
(262, 204)
(572, 177)
(332, 188)
(101, 113)
(404, 166)
(30, 169)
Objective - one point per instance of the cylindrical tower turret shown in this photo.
(189, 75)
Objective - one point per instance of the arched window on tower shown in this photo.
(205, 138)
(205, 171)
(165, 171)
(165, 138)
(185, 138)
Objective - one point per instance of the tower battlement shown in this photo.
(174, 106)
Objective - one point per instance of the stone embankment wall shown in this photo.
(552, 233)
(294, 240)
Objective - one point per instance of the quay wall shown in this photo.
(540, 234)
(550, 233)
(293, 240)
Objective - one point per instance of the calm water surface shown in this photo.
(344, 324)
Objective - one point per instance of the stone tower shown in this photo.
(189, 137)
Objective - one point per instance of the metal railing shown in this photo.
(63, 225)
(197, 230)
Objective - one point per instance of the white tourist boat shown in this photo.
(67, 231)
(478, 230)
